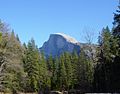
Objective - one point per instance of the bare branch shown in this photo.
(89, 35)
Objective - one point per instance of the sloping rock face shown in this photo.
(59, 43)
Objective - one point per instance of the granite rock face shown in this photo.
(59, 43)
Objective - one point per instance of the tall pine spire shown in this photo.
(116, 23)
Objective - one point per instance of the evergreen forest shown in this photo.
(23, 68)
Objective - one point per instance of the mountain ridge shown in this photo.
(59, 43)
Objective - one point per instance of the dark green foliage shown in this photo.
(69, 70)
(106, 71)
(102, 69)
(116, 61)
(116, 23)
(50, 63)
(83, 72)
(17, 37)
(44, 77)
(116, 30)
(104, 49)
(62, 75)
(53, 68)
(24, 69)
(31, 66)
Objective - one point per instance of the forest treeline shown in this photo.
(23, 68)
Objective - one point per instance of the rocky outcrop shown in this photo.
(59, 43)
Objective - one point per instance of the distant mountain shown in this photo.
(59, 43)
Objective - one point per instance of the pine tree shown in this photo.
(105, 46)
(69, 70)
(116, 30)
(116, 23)
(62, 75)
(55, 77)
(74, 62)
(17, 37)
(31, 66)
(50, 63)
(104, 73)
(116, 50)
(54, 84)
(44, 77)
(86, 71)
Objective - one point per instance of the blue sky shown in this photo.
(40, 18)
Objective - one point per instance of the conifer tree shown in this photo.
(116, 31)
(17, 37)
(85, 73)
(116, 62)
(69, 70)
(31, 66)
(62, 75)
(105, 44)
(50, 63)
(74, 62)
(54, 84)
(44, 77)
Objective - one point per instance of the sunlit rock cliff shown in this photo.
(59, 43)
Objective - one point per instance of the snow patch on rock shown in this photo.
(68, 38)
